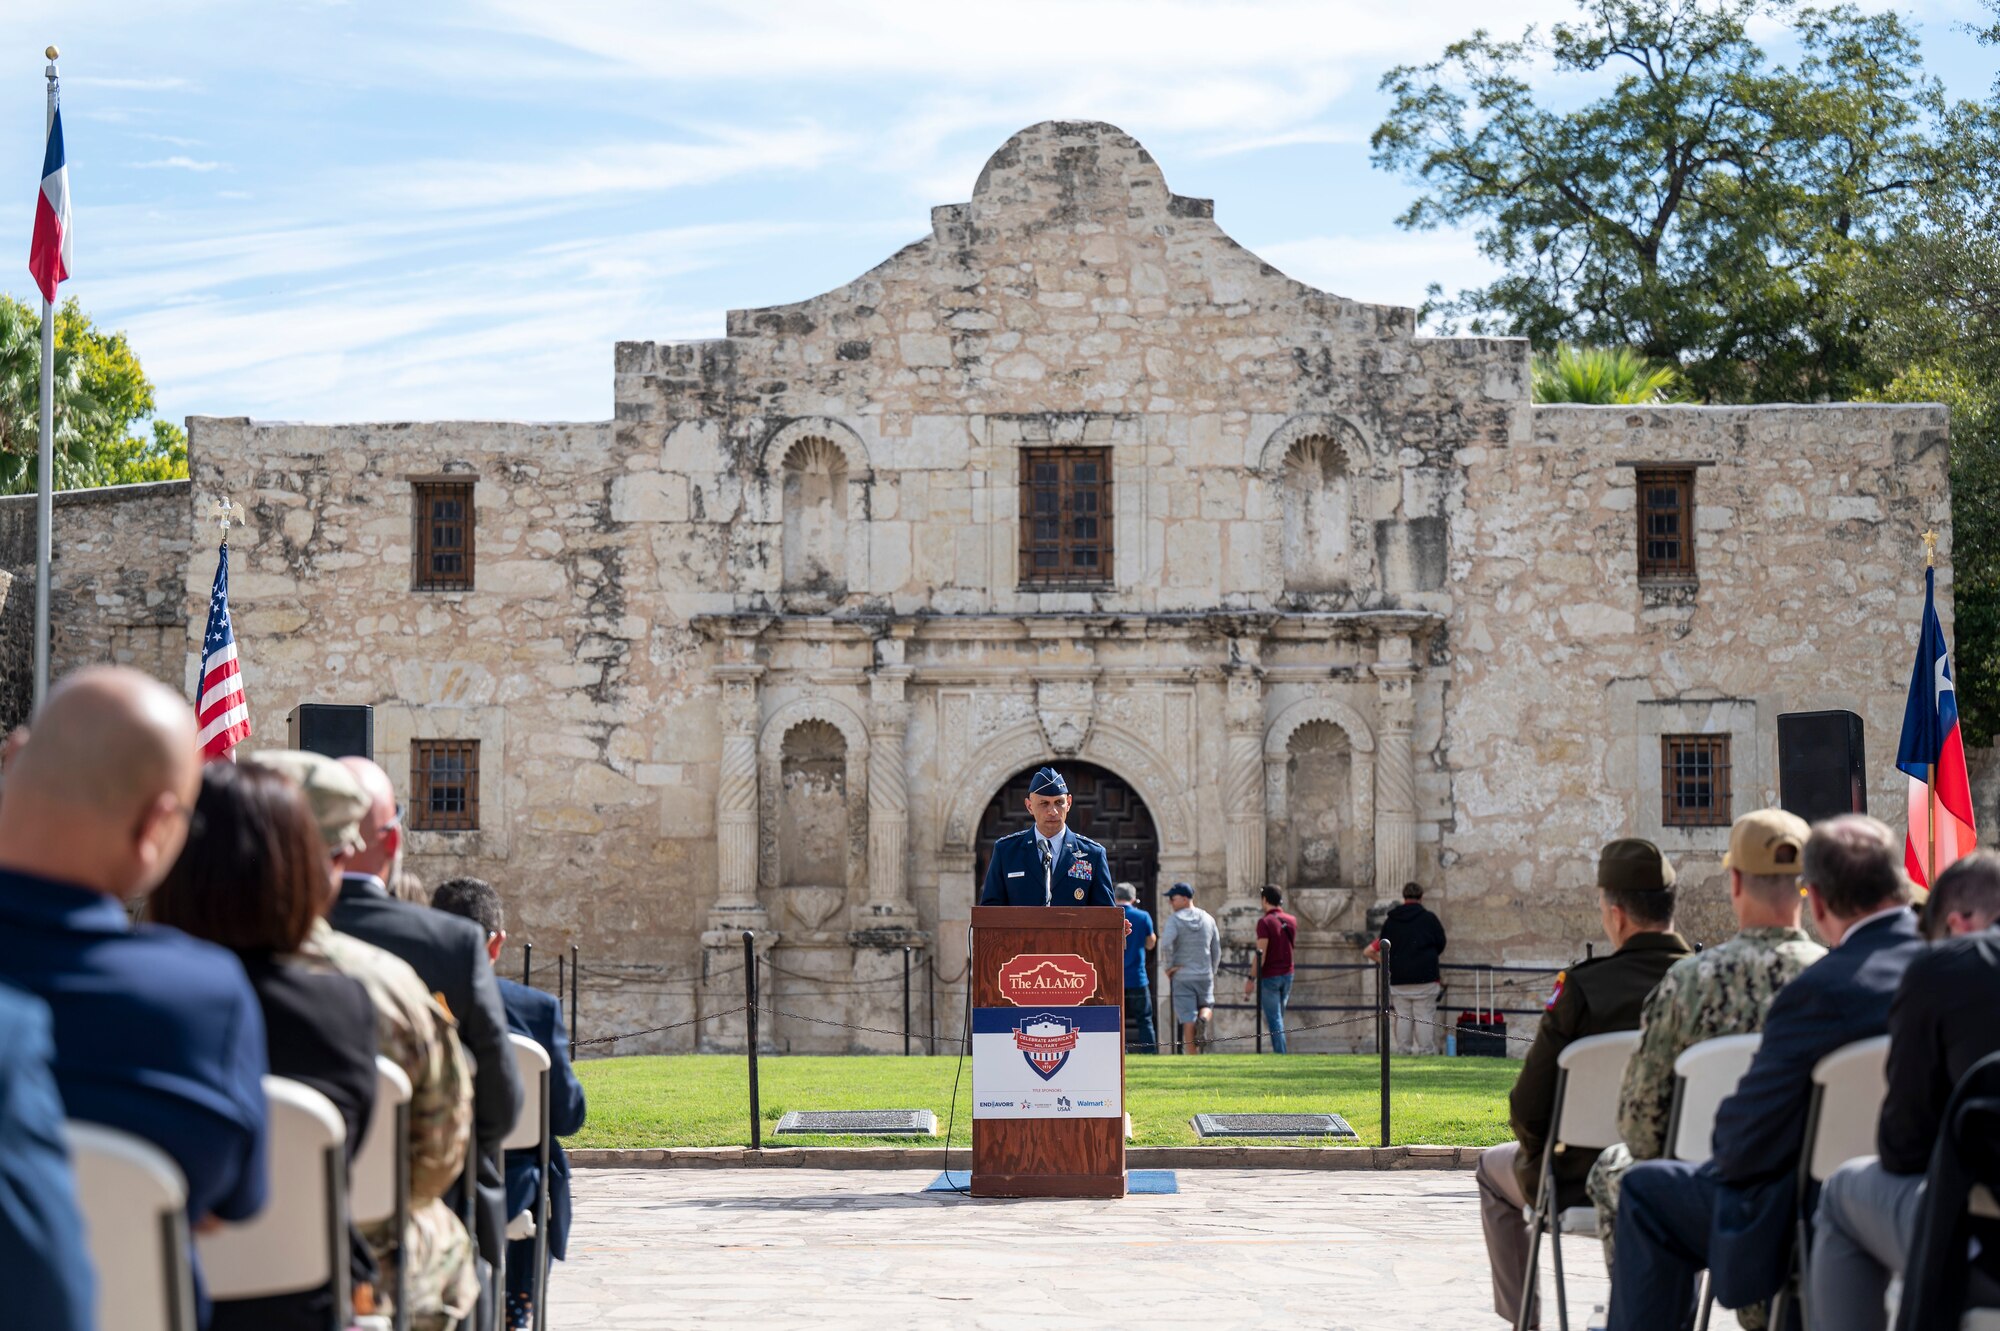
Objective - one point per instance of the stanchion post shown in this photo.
(527, 963)
(560, 988)
(1382, 1028)
(906, 1001)
(1257, 992)
(930, 1002)
(750, 1028)
(575, 968)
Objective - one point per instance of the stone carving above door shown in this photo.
(1064, 706)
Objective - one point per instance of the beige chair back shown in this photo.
(533, 1062)
(378, 1173)
(1709, 1072)
(299, 1240)
(134, 1204)
(1852, 1082)
(1596, 1073)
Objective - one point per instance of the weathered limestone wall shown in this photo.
(116, 565)
(1566, 669)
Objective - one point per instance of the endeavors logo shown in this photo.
(1035, 979)
(1046, 1041)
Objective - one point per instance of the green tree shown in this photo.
(103, 405)
(1605, 376)
(1696, 201)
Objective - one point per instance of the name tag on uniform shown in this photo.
(1018, 873)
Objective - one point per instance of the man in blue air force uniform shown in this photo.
(1047, 864)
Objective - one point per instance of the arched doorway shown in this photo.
(1103, 807)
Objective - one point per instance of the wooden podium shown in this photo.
(1048, 1051)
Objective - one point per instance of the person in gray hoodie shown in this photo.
(1191, 948)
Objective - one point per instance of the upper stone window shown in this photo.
(444, 526)
(1694, 780)
(1065, 517)
(815, 506)
(1318, 501)
(1666, 524)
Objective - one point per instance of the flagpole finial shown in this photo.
(52, 53)
(223, 510)
(1930, 549)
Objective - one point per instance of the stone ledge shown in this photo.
(932, 1157)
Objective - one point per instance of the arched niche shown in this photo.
(1319, 796)
(794, 748)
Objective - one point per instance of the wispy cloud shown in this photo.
(151, 83)
(178, 162)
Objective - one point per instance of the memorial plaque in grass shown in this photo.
(1271, 1125)
(859, 1123)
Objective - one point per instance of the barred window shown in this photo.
(1065, 517)
(443, 546)
(1666, 524)
(444, 785)
(1694, 780)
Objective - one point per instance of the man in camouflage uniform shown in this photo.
(420, 1037)
(1723, 991)
(1636, 905)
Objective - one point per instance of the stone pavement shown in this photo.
(842, 1249)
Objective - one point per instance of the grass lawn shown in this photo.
(704, 1099)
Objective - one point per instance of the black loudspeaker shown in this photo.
(1821, 771)
(337, 730)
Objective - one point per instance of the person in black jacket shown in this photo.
(1940, 1024)
(449, 955)
(253, 878)
(1416, 941)
(538, 1016)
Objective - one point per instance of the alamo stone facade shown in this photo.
(1301, 595)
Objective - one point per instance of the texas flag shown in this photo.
(1933, 753)
(48, 253)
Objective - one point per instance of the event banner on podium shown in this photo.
(1048, 1055)
(1055, 1062)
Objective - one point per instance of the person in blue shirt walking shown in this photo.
(1047, 864)
(1139, 940)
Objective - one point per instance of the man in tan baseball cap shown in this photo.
(336, 799)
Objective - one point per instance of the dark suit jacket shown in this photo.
(448, 953)
(539, 1016)
(319, 1030)
(41, 1231)
(1081, 875)
(1760, 1130)
(1945, 1018)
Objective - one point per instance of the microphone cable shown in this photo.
(964, 1047)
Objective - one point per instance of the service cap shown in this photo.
(1767, 842)
(1631, 864)
(336, 799)
(1047, 781)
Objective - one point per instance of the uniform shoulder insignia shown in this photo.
(1556, 992)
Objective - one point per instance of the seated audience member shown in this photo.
(1964, 903)
(538, 1016)
(156, 1033)
(1735, 1214)
(1723, 991)
(419, 1037)
(1941, 1023)
(253, 877)
(1636, 906)
(41, 1232)
(450, 956)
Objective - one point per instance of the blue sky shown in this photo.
(452, 208)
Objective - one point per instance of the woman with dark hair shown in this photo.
(254, 877)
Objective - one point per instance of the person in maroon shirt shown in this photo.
(1276, 933)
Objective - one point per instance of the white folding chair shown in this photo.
(379, 1182)
(1589, 1076)
(299, 1240)
(134, 1204)
(531, 1133)
(1705, 1075)
(1849, 1085)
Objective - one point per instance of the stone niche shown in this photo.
(813, 826)
(1317, 837)
(815, 524)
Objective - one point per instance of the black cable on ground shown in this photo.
(964, 1044)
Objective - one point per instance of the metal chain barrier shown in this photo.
(655, 1030)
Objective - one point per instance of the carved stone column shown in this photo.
(736, 907)
(1243, 786)
(1395, 770)
(888, 789)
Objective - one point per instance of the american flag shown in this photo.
(224, 709)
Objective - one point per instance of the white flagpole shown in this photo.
(44, 457)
